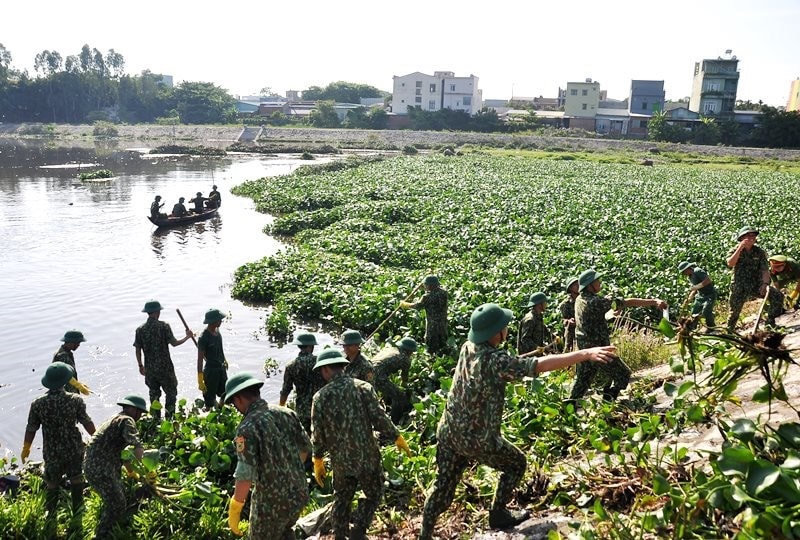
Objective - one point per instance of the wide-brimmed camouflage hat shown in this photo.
(239, 382)
(486, 321)
(570, 282)
(351, 337)
(135, 401)
(587, 277)
(151, 306)
(685, 265)
(747, 229)
(431, 281)
(73, 336)
(536, 299)
(407, 343)
(212, 316)
(57, 375)
(778, 258)
(304, 339)
(328, 357)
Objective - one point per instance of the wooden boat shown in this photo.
(191, 217)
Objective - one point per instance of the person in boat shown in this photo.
(198, 203)
(179, 210)
(214, 198)
(155, 208)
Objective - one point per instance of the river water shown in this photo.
(84, 256)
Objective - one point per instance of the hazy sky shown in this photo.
(528, 48)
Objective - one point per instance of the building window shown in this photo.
(419, 91)
(432, 105)
(584, 92)
(644, 105)
(467, 101)
(573, 92)
(452, 88)
(432, 88)
(419, 84)
(418, 99)
(583, 106)
(710, 107)
(643, 123)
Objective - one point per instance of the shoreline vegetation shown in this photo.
(496, 222)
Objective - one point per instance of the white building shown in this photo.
(442, 90)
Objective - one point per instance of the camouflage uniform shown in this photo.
(435, 304)
(567, 309)
(269, 441)
(591, 330)
(705, 298)
(790, 273)
(65, 355)
(58, 414)
(361, 368)
(532, 332)
(154, 337)
(469, 430)
(746, 282)
(214, 373)
(344, 414)
(300, 375)
(392, 360)
(102, 466)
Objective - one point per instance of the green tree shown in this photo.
(324, 115)
(747, 105)
(342, 92)
(778, 129)
(706, 131)
(203, 103)
(487, 121)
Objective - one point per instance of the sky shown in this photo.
(514, 48)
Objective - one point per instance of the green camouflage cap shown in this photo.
(57, 375)
(486, 321)
(685, 265)
(213, 316)
(151, 306)
(431, 281)
(328, 357)
(587, 277)
(239, 382)
(73, 336)
(569, 283)
(745, 230)
(778, 258)
(537, 298)
(407, 344)
(351, 337)
(135, 401)
(304, 339)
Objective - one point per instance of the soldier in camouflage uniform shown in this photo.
(360, 366)
(72, 340)
(783, 271)
(387, 362)
(591, 330)
(567, 309)
(533, 333)
(58, 414)
(300, 375)
(271, 447)
(434, 302)
(103, 460)
(469, 430)
(750, 278)
(153, 338)
(702, 290)
(211, 379)
(344, 414)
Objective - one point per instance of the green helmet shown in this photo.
(779, 258)
(304, 339)
(747, 229)
(57, 375)
(328, 357)
(685, 265)
(431, 281)
(569, 283)
(486, 321)
(537, 298)
(239, 382)
(135, 401)
(587, 277)
(151, 306)
(351, 337)
(213, 316)
(73, 336)
(407, 344)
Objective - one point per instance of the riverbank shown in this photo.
(220, 135)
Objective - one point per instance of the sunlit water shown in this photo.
(84, 256)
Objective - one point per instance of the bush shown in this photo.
(410, 150)
(105, 129)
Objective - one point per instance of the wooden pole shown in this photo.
(187, 327)
(760, 311)
(393, 312)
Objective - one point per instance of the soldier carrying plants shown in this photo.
(783, 271)
(389, 361)
(469, 429)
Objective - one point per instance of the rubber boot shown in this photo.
(426, 532)
(76, 493)
(504, 518)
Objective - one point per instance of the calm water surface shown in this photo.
(84, 256)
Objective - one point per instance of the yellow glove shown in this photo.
(401, 444)
(201, 382)
(793, 296)
(79, 386)
(234, 515)
(132, 474)
(406, 305)
(319, 471)
(539, 351)
(26, 451)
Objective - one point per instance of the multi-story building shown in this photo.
(582, 99)
(442, 90)
(714, 87)
(794, 96)
(646, 97)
